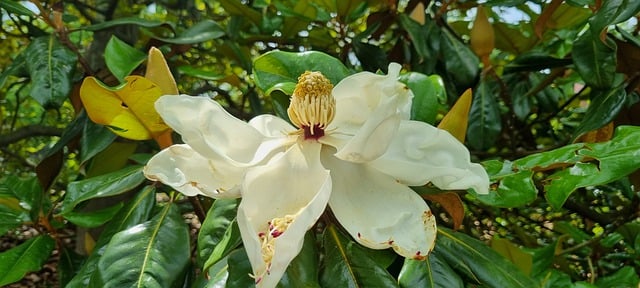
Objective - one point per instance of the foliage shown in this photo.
(553, 118)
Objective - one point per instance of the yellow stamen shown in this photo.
(312, 105)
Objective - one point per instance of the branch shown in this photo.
(27, 132)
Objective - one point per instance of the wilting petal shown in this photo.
(271, 126)
(421, 153)
(378, 211)
(213, 132)
(185, 170)
(289, 194)
(359, 95)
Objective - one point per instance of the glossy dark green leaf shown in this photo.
(136, 211)
(372, 58)
(515, 188)
(543, 259)
(95, 138)
(68, 265)
(303, 269)
(477, 262)
(126, 21)
(93, 218)
(220, 218)
(239, 269)
(535, 61)
(605, 106)
(230, 240)
(51, 66)
(594, 60)
(484, 117)
(121, 58)
(152, 254)
(434, 272)
(200, 32)
(623, 278)
(429, 95)
(279, 67)
(418, 37)
(521, 101)
(347, 264)
(26, 257)
(102, 186)
(15, 7)
(463, 66)
(523, 260)
(613, 12)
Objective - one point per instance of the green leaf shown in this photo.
(135, 212)
(239, 269)
(613, 160)
(21, 200)
(126, 21)
(152, 254)
(604, 107)
(428, 93)
(93, 218)
(279, 67)
(220, 218)
(535, 61)
(418, 34)
(51, 67)
(17, 67)
(303, 269)
(484, 117)
(477, 262)
(121, 58)
(68, 265)
(521, 259)
(200, 32)
(515, 188)
(95, 138)
(347, 264)
(594, 60)
(462, 64)
(626, 277)
(200, 73)
(230, 240)
(434, 272)
(26, 257)
(16, 8)
(238, 8)
(613, 12)
(102, 186)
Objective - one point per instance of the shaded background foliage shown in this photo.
(552, 81)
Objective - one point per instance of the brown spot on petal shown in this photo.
(419, 256)
(359, 236)
(390, 242)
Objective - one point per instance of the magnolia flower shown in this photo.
(352, 147)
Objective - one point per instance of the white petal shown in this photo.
(360, 94)
(271, 126)
(379, 212)
(293, 184)
(421, 153)
(213, 132)
(185, 170)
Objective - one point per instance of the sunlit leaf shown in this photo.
(121, 58)
(278, 67)
(429, 93)
(127, 110)
(508, 250)
(514, 188)
(26, 257)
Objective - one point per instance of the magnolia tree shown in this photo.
(321, 144)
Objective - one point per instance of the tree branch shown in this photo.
(28, 131)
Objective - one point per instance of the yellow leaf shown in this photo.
(482, 34)
(89, 243)
(418, 13)
(457, 119)
(158, 72)
(127, 110)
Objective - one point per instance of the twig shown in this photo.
(29, 131)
